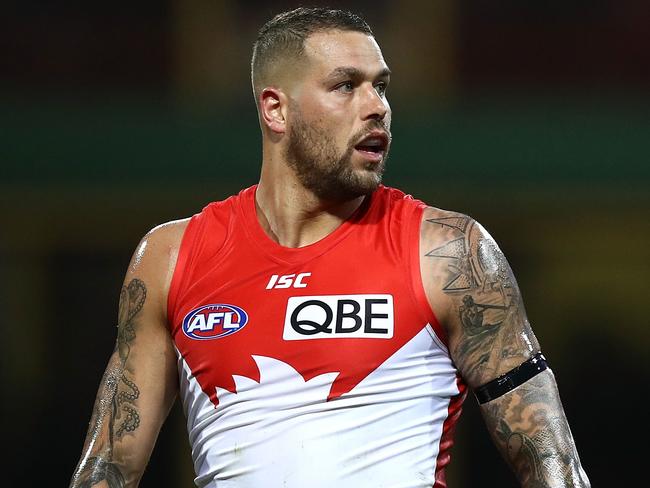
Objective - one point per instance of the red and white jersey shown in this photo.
(319, 366)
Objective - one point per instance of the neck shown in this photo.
(292, 215)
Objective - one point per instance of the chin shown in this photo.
(348, 188)
(364, 184)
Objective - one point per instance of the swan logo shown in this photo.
(214, 321)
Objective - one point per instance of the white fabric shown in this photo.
(282, 432)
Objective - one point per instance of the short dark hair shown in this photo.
(283, 37)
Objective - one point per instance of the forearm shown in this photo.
(530, 430)
(134, 397)
(102, 462)
(100, 472)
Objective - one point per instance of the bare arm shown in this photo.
(139, 384)
(475, 295)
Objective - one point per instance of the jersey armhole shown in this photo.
(184, 251)
(417, 286)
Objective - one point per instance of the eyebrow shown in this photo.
(353, 72)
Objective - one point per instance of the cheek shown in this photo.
(343, 133)
(389, 116)
(334, 129)
(330, 117)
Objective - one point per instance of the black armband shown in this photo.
(512, 379)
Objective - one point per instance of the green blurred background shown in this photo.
(533, 117)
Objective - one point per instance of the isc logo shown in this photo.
(287, 281)
(339, 316)
(214, 321)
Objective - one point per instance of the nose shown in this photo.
(375, 106)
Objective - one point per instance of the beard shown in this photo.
(312, 153)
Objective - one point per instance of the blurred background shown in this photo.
(532, 117)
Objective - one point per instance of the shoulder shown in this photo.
(168, 233)
(160, 244)
(440, 227)
(457, 255)
(444, 226)
(154, 259)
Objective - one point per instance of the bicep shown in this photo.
(472, 288)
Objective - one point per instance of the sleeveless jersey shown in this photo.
(318, 366)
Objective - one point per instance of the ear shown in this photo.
(273, 105)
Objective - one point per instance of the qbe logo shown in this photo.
(214, 321)
(339, 316)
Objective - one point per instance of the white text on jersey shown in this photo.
(224, 319)
(287, 281)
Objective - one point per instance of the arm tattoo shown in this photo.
(98, 469)
(529, 426)
(485, 298)
(115, 413)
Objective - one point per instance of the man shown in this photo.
(323, 327)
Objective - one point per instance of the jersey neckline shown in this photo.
(294, 255)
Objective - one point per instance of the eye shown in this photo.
(381, 88)
(345, 87)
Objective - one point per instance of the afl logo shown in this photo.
(214, 321)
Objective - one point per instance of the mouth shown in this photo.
(373, 146)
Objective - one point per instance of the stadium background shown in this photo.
(530, 116)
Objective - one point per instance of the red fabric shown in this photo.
(447, 439)
(227, 258)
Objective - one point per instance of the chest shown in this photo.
(344, 312)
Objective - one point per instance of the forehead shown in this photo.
(331, 49)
